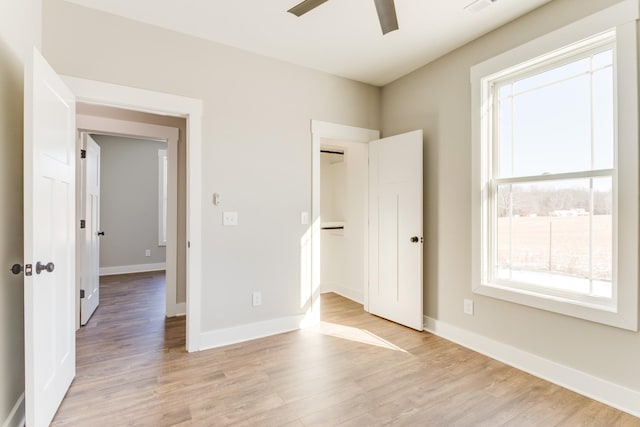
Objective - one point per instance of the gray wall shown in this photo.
(129, 201)
(436, 98)
(256, 144)
(19, 31)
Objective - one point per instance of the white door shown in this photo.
(395, 229)
(90, 285)
(49, 241)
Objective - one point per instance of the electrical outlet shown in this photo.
(230, 218)
(147, 252)
(257, 298)
(468, 306)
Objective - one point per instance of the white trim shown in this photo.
(16, 417)
(179, 309)
(351, 294)
(135, 268)
(617, 396)
(90, 91)
(324, 130)
(250, 331)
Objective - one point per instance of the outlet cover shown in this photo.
(147, 252)
(257, 298)
(468, 306)
(230, 218)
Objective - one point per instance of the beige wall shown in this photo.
(19, 30)
(175, 122)
(256, 144)
(436, 98)
(129, 201)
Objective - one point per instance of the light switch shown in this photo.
(304, 218)
(230, 218)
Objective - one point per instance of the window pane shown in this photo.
(603, 59)
(552, 132)
(603, 115)
(547, 236)
(554, 75)
(602, 237)
(505, 138)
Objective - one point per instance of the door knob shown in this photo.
(40, 267)
(16, 269)
(415, 239)
(100, 233)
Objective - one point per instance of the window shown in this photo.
(552, 211)
(162, 197)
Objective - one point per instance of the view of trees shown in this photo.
(530, 200)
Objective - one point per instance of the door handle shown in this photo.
(416, 239)
(40, 267)
(100, 233)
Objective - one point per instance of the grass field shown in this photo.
(557, 245)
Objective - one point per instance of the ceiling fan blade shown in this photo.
(304, 7)
(387, 15)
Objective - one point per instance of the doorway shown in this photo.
(132, 141)
(143, 101)
(352, 142)
(392, 285)
(344, 218)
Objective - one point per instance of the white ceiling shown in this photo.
(341, 37)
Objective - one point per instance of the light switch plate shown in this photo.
(304, 218)
(230, 218)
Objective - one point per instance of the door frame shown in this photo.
(89, 124)
(320, 131)
(107, 94)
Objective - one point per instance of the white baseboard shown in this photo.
(16, 416)
(178, 309)
(251, 331)
(352, 294)
(604, 391)
(127, 269)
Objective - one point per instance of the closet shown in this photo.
(343, 218)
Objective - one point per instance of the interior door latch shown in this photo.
(17, 269)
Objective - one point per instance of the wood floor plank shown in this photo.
(354, 369)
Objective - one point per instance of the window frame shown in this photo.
(549, 51)
(163, 176)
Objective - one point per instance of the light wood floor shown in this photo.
(353, 370)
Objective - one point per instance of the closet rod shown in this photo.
(332, 228)
(332, 152)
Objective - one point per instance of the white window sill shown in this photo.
(603, 313)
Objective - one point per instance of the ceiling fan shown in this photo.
(386, 12)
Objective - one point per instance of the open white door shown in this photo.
(395, 229)
(49, 241)
(90, 291)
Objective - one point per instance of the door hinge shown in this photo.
(83, 223)
(83, 154)
(81, 293)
